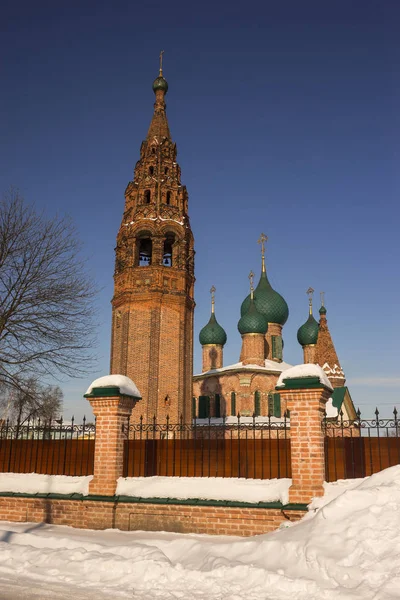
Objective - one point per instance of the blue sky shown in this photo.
(286, 119)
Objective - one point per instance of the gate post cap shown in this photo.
(112, 385)
(304, 376)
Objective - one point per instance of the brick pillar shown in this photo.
(111, 410)
(212, 356)
(305, 399)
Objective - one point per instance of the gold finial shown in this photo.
(161, 53)
(251, 278)
(262, 239)
(322, 296)
(309, 293)
(212, 292)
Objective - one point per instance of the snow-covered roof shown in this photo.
(126, 386)
(301, 371)
(270, 367)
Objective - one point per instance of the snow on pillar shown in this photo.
(112, 399)
(306, 389)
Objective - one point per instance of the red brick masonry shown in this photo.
(131, 516)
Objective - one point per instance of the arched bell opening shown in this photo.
(144, 251)
(168, 250)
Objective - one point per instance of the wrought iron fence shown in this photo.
(48, 447)
(360, 447)
(249, 447)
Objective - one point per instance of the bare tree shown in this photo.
(34, 401)
(46, 297)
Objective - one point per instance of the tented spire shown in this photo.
(325, 354)
(159, 128)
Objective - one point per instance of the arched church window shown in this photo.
(168, 197)
(166, 170)
(147, 196)
(257, 404)
(145, 249)
(153, 150)
(151, 170)
(167, 253)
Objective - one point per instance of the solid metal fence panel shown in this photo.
(51, 448)
(360, 447)
(249, 448)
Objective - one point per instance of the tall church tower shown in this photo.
(153, 303)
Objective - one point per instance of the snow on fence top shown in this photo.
(302, 371)
(125, 385)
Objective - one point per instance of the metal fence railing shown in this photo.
(360, 447)
(52, 448)
(251, 447)
(245, 447)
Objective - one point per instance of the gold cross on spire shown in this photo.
(262, 239)
(212, 292)
(309, 293)
(251, 278)
(322, 296)
(161, 53)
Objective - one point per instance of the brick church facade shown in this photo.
(247, 388)
(153, 307)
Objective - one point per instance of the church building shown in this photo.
(247, 388)
(153, 307)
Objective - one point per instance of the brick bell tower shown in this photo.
(153, 303)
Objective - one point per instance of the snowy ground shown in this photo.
(346, 547)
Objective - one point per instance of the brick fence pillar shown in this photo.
(306, 398)
(111, 409)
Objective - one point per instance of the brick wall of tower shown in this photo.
(212, 357)
(152, 327)
(274, 329)
(252, 352)
(309, 354)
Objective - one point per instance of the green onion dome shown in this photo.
(160, 84)
(253, 321)
(322, 310)
(268, 302)
(212, 333)
(308, 333)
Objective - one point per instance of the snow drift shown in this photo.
(346, 547)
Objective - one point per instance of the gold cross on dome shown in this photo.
(309, 293)
(212, 292)
(322, 296)
(161, 56)
(251, 278)
(262, 239)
